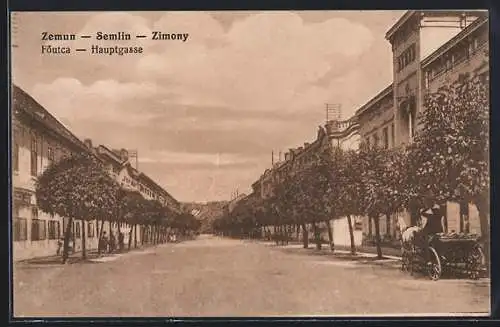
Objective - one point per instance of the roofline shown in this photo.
(382, 94)
(406, 16)
(479, 22)
(76, 141)
(157, 186)
(112, 153)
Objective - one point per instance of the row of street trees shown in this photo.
(78, 187)
(448, 160)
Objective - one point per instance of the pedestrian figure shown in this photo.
(60, 243)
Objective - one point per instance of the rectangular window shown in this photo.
(90, 229)
(407, 57)
(34, 213)
(34, 155)
(50, 154)
(38, 231)
(20, 229)
(385, 133)
(15, 150)
(393, 133)
(77, 229)
(15, 156)
(375, 140)
(54, 229)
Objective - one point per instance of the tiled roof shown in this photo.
(154, 185)
(22, 102)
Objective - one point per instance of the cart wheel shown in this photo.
(434, 266)
(475, 260)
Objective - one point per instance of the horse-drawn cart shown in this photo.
(451, 253)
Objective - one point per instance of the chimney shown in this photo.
(287, 156)
(124, 154)
(88, 143)
(306, 144)
(300, 148)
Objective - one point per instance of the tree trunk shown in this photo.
(351, 235)
(370, 233)
(143, 232)
(388, 225)
(317, 236)
(135, 236)
(330, 235)
(110, 229)
(84, 241)
(376, 219)
(101, 230)
(130, 237)
(305, 236)
(482, 205)
(97, 229)
(67, 235)
(111, 235)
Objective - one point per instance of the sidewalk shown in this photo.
(361, 251)
(92, 256)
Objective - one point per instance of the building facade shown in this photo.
(421, 66)
(38, 139)
(344, 134)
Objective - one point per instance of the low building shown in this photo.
(38, 139)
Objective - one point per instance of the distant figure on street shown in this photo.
(60, 243)
(112, 243)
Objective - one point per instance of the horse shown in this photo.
(408, 233)
(408, 236)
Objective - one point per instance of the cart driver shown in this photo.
(433, 223)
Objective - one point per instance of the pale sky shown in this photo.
(205, 114)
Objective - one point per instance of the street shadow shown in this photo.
(57, 260)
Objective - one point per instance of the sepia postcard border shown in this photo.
(149, 5)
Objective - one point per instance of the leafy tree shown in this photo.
(383, 188)
(132, 205)
(76, 187)
(348, 187)
(449, 160)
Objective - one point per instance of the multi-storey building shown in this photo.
(38, 138)
(424, 59)
(342, 134)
